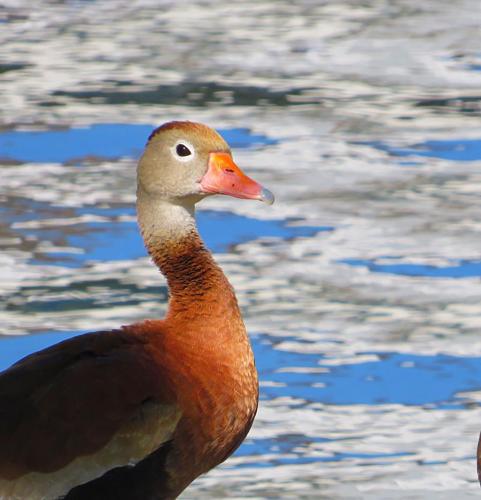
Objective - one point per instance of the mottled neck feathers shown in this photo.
(196, 282)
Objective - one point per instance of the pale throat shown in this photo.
(162, 221)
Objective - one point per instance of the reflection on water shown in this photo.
(98, 141)
(461, 269)
(112, 238)
(456, 150)
(360, 287)
(183, 93)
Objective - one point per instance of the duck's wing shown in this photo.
(72, 412)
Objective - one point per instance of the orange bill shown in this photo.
(225, 177)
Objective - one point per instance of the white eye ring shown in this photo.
(177, 156)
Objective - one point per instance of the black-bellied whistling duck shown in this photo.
(138, 413)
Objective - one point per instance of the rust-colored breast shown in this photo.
(211, 366)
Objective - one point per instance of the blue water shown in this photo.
(453, 149)
(297, 449)
(104, 140)
(395, 378)
(111, 241)
(459, 269)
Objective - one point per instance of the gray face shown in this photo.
(176, 158)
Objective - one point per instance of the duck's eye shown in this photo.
(182, 150)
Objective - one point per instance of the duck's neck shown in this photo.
(170, 235)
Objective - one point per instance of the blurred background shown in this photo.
(360, 287)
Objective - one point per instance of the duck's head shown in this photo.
(184, 162)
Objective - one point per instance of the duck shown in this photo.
(140, 411)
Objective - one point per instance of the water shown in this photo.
(360, 287)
